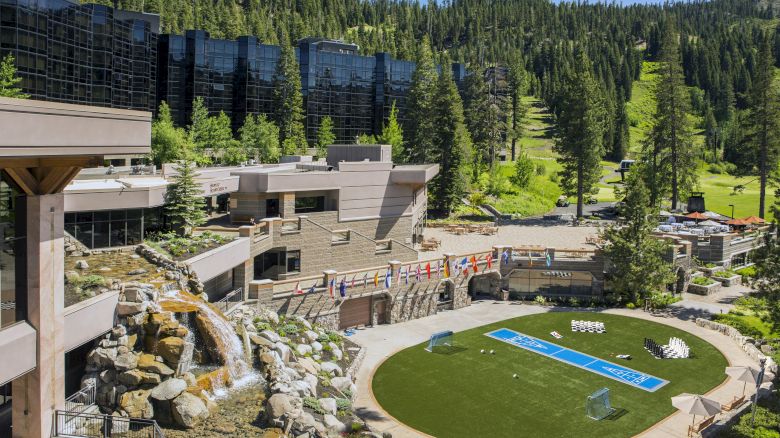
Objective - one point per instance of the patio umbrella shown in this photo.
(696, 216)
(743, 374)
(737, 222)
(754, 220)
(694, 404)
(709, 223)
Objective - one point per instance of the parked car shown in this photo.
(563, 201)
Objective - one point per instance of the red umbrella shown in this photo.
(754, 220)
(696, 216)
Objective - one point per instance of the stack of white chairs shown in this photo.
(676, 349)
(587, 326)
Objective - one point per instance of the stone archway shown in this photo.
(485, 284)
(681, 280)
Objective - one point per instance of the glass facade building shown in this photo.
(236, 76)
(111, 228)
(83, 54)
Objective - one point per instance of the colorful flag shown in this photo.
(398, 278)
(446, 270)
(406, 276)
(311, 289)
(505, 256)
(297, 290)
(343, 287)
(365, 280)
(331, 285)
(530, 260)
(418, 272)
(474, 263)
(489, 260)
(388, 280)
(353, 280)
(428, 269)
(464, 263)
(376, 279)
(548, 258)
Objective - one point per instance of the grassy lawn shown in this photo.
(719, 193)
(468, 394)
(537, 199)
(537, 137)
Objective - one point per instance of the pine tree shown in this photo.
(711, 132)
(419, 107)
(636, 257)
(325, 136)
(288, 102)
(669, 151)
(482, 119)
(9, 80)
(452, 144)
(761, 132)
(393, 135)
(199, 124)
(169, 143)
(518, 87)
(621, 133)
(580, 133)
(184, 203)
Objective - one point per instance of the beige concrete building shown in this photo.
(43, 146)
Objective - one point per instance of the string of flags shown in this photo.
(455, 268)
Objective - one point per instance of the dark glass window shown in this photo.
(293, 261)
(309, 204)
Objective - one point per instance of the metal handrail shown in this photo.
(81, 400)
(229, 301)
(79, 424)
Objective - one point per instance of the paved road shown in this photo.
(385, 340)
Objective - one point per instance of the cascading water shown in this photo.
(232, 348)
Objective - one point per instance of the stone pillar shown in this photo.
(287, 209)
(394, 267)
(499, 256)
(329, 275)
(38, 393)
(262, 291)
(243, 274)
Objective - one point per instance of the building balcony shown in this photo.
(18, 350)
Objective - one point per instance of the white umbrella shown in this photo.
(696, 405)
(743, 374)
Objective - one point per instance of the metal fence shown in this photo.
(74, 424)
(231, 300)
(82, 400)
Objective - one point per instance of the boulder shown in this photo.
(332, 368)
(102, 357)
(341, 383)
(304, 322)
(189, 410)
(137, 377)
(138, 271)
(136, 404)
(215, 344)
(279, 405)
(135, 295)
(336, 354)
(304, 422)
(283, 350)
(271, 336)
(119, 427)
(309, 365)
(170, 349)
(267, 357)
(107, 376)
(329, 405)
(333, 425)
(316, 346)
(147, 362)
(126, 361)
(82, 264)
(261, 341)
(125, 308)
(312, 381)
(301, 387)
(310, 335)
(303, 349)
(169, 389)
(190, 379)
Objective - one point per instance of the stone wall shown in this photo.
(745, 342)
(180, 271)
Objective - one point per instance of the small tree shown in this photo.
(260, 138)
(393, 135)
(9, 80)
(638, 268)
(325, 136)
(185, 204)
(524, 170)
(169, 143)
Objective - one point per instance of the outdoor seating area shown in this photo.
(704, 224)
(461, 229)
(430, 244)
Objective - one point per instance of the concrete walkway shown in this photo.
(383, 341)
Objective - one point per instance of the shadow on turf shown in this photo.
(619, 412)
(449, 350)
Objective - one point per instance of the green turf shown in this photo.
(468, 394)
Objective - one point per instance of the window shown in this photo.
(309, 204)
(293, 261)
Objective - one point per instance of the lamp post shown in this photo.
(762, 362)
(732, 210)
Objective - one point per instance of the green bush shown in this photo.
(313, 404)
(524, 170)
(630, 305)
(540, 300)
(734, 321)
(89, 281)
(574, 302)
(541, 169)
(748, 272)
(290, 329)
(767, 419)
(477, 198)
(343, 404)
(662, 300)
(702, 281)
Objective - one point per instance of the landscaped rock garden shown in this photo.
(309, 373)
(181, 248)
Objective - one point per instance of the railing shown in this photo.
(82, 400)
(260, 232)
(339, 236)
(74, 424)
(384, 245)
(231, 300)
(291, 224)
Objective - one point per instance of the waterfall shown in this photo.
(230, 345)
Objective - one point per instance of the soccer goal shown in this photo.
(440, 339)
(597, 405)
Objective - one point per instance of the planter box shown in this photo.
(704, 290)
(728, 281)
(709, 272)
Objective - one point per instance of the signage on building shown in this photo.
(218, 187)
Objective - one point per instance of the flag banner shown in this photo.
(353, 280)
(428, 269)
(474, 263)
(311, 289)
(343, 287)
(489, 260)
(406, 276)
(464, 263)
(331, 285)
(298, 290)
(388, 280)
(446, 270)
(505, 256)
(376, 279)
(530, 260)
(365, 280)
(548, 258)
(398, 277)
(418, 273)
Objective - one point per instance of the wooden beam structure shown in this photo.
(47, 175)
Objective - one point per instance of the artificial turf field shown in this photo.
(468, 394)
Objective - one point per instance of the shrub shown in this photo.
(524, 170)
(748, 272)
(737, 323)
(555, 178)
(662, 300)
(260, 325)
(630, 305)
(540, 300)
(702, 281)
(477, 198)
(313, 404)
(541, 169)
(343, 404)
(290, 328)
(574, 302)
